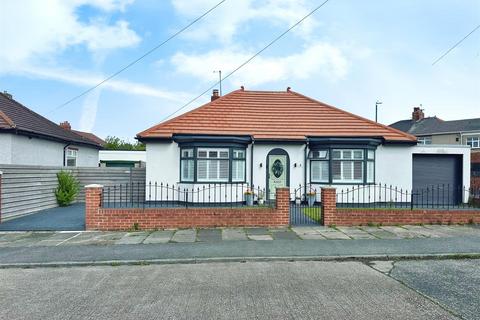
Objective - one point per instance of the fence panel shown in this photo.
(27, 189)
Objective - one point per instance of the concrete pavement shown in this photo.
(274, 290)
(28, 239)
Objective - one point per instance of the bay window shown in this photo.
(342, 166)
(212, 165)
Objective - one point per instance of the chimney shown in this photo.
(8, 95)
(417, 114)
(215, 95)
(66, 125)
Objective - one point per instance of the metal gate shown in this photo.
(305, 207)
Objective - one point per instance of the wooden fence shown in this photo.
(27, 189)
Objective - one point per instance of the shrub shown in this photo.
(67, 189)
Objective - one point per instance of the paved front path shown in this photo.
(274, 290)
(29, 239)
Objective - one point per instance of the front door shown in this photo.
(278, 171)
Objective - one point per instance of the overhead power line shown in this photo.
(456, 44)
(248, 60)
(141, 57)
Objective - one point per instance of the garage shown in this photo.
(437, 179)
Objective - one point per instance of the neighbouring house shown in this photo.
(433, 130)
(277, 139)
(87, 135)
(123, 158)
(27, 138)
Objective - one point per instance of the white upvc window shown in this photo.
(71, 157)
(424, 140)
(187, 165)
(347, 165)
(213, 165)
(473, 142)
(238, 165)
(319, 166)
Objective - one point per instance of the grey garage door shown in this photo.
(437, 179)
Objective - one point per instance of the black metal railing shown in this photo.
(442, 196)
(153, 194)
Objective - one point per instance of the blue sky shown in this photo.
(349, 54)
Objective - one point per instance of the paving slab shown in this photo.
(304, 230)
(311, 236)
(335, 235)
(382, 266)
(257, 231)
(162, 236)
(184, 235)
(384, 235)
(260, 237)
(356, 233)
(285, 235)
(209, 235)
(25, 240)
(402, 232)
(56, 239)
(234, 234)
(133, 238)
(421, 230)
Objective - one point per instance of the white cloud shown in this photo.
(88, 80)
(33, 30)
(319, 60)
(89, 111)
(231, 18)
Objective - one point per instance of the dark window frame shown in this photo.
(230, 161)
(330, 160)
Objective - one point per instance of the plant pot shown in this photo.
(311, 199)
(249, 199)
(260, 201)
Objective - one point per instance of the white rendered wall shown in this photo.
(87, 157)
(5, 148)
(41, 152)
(163, 160)
(121, 155)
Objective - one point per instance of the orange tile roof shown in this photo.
(272, 115)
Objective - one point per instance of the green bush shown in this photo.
(67, 189)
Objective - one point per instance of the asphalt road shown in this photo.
(454, 284)
(260, 290)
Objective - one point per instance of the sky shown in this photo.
(349, 54)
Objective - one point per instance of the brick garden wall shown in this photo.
(350, 217)
(98, 218)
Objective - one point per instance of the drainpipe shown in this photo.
(305, 166)
(251, 163)
(65, 154)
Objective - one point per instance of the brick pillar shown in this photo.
(1, 173)
(329, 206)
(283, 205)
(93, 201)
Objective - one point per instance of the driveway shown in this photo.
(70, 218)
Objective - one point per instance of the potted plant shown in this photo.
(260, 198)
(248, 197)
(298, 200)
(311, 197)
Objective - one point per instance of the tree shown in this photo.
(115, 143)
